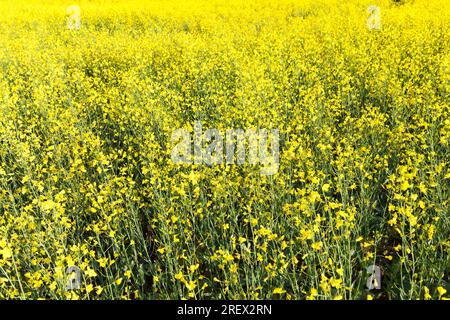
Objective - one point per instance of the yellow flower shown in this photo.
(102, 262)
(317, 245)
(306, 234)
(98, 290)
(89, 288)
(179, 276)
(335, 283)
(90, 272)
(6, 253)
(313, 293)
(405, 185)
(441, 291)
(194, 267)
(191, 285)
(52, 286)
(427, 295)
(278, 291)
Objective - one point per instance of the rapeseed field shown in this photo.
(92, 205)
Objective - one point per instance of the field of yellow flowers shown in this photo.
(88, 107)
